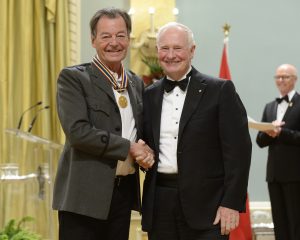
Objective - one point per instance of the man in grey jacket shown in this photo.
(100, 108)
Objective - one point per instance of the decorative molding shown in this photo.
(74, 30)
(260, 205)
(261, 215)
(261, 220)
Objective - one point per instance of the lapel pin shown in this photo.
(290, 104)
(200, 90)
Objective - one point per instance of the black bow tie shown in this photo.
(170, 85)
(285, 98)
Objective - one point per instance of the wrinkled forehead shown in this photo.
(172, 35)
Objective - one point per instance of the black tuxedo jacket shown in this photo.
(213, 151)
(284, 151)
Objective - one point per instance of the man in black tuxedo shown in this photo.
(283, 167)
(197, 127)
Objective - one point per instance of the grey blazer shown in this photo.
(91, 121)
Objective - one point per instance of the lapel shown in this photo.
(132, 91)
(273, 113)
(291, 104)
(101, 82)
(194, 94)
(156, 106)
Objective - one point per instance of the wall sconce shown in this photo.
(147, 38)
(151, 12)
(131, 13)
(145, 43)
(150, 33)
(175, 13)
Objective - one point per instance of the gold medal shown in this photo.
(122, 101)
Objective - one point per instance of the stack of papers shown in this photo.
(260, 126)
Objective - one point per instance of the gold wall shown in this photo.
(141, 22)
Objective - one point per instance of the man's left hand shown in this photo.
(229, 219)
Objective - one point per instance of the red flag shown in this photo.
(224, 68)
(243, 231)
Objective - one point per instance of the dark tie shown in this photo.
(285, 98)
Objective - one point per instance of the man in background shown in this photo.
(283, 166)
(100, 109)
(197, 126)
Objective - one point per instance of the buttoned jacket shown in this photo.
(91, 121)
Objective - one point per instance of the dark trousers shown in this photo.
(285, 203)
(74, 226)
(169, 222)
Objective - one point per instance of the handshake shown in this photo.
(142, 153)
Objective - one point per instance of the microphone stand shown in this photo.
(22, 115)
(35, 117)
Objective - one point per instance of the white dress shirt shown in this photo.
(128, 131)
(283, 106)
(172, 106)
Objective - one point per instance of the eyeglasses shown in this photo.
(283, 77)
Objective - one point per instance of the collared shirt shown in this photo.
(283, 106)
(170, 117)
(129, 131)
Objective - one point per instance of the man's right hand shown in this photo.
(277, 130)
(143, 154)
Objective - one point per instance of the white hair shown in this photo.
(169, 25)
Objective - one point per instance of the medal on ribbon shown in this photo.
(119, 87)
(122, 101)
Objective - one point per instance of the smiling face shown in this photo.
(286, 77)
(175, 51)
(111, 41)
